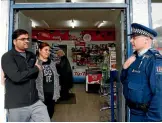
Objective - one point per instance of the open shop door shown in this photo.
(24, 22)
(120, 57)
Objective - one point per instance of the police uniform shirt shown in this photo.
(142, 52)
(124, 71)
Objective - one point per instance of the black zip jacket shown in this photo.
(66, 75)
(20, 74)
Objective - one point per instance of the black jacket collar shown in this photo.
(28, 55)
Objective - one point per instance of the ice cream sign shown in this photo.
(79, 75)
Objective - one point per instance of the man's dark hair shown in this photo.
(18, 32)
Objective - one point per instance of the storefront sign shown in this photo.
(102, 35)
(84, 35)
(56, 37)
(44, 34)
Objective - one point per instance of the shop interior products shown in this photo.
(90, 55)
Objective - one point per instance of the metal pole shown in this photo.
(149, 13)
(129, 21)
(129, 48)
(11, 24)
(112, 94)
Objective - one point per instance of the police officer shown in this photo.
(142, 86)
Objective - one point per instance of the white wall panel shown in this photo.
(4, 24)
(140, 12)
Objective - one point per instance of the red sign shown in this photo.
(78, 43)
(94, 78)
(51, 35)
(102, 35)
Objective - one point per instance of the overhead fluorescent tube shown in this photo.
(73, 23)
(45, 23)
(101, 24)
(34, 23)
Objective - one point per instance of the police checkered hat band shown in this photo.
(138, 29)
(142, 32)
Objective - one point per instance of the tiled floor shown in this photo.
(86, 109)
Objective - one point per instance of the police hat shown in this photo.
(138, 29)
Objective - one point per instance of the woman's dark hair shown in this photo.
(18, 32)
(43, 44)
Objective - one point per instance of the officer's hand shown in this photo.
(39, 67)
(129, 61)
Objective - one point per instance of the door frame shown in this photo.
(14, 7)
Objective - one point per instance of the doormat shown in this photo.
(70, 100)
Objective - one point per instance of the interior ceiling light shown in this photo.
(116, 1)
(45, 23)
(101, 24)
(97, 23)
(34, 23)
(73, 23)
(113, 9)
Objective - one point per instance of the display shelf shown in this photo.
(112, 52)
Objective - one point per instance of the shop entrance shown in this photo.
(76, 39)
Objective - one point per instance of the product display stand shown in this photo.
(93, 76)
(108, 87)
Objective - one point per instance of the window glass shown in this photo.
(157, 24)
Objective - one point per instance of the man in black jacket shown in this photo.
(20, 70)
